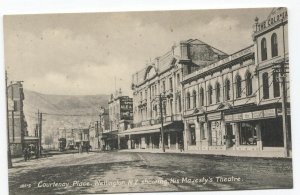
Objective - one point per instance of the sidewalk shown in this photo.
(267, 154)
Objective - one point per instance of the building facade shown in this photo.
(236, 103)
(158, 95)
(120, 119)
(16, 119)
(212, 101)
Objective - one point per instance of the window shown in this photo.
(210, 93)
(194, 99)
(265, 79)
(248, 84)
(274, 45)
(179, 103)
(238, 86)
(227, 89)
(218, 92)
(248, 135)
(171, 84)
(193, 134)
(189, 69)
(263, 46)
(178, 79)
(188, 100)
(164, 86)
(201, 97)
(276, 86)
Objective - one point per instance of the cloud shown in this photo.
(84, 53)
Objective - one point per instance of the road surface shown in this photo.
(111, 172)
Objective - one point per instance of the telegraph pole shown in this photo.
(40, 133)
(7, 125)
(284, 109)
(280, 69)
(162, 123)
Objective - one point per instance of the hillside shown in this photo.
(58, 108)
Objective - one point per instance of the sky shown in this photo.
(94, 53)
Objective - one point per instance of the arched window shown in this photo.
(218, 92)
(274, 45)
(227, 89)
(276, 86)
(264, 54)
(201, 97)
(210, 93)
(179, 103)
(188, 100)
(248, 84)
(238, 81)
(265, 78)
(194, 99)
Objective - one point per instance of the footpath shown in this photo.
(267, 154)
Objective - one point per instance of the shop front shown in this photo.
(217, 133)
(256, 130)
(149, 137)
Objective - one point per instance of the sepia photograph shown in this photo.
(148, 101)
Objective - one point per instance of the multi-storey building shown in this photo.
(120, 119)
(235, 103)
(159, 83)
(214, 101)
(17, 127)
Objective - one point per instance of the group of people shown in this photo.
(27, 152)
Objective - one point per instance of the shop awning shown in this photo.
(144, 129)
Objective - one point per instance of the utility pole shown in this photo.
(162, 123)
(280, 69)
(284, 109)
(40, 134)
(7, 125)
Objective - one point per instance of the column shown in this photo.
(198, 134)
(129, 142)
(119, 144)
(169, 140)
(160, 146)
(185, 136)
(235, 129)
(258, 133)
(223, 130)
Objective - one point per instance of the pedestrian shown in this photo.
(181, 146)
(25, 153)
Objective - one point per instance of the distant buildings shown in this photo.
(17, 127)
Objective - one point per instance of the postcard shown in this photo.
(148, 101)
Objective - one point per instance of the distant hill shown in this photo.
(58, 108)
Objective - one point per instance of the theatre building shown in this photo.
(157, 94)
(236, 102)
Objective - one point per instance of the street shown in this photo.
(111, 172)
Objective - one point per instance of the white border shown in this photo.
(75, 6)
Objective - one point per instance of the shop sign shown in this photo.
(237, 117)
(247, 115)
(258, 114)
(214, 116)
(228, 117)
(280, 15)
(288, 111)
(270, 113)
(201, 118)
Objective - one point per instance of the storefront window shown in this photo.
(193, 135)
(248, 134)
